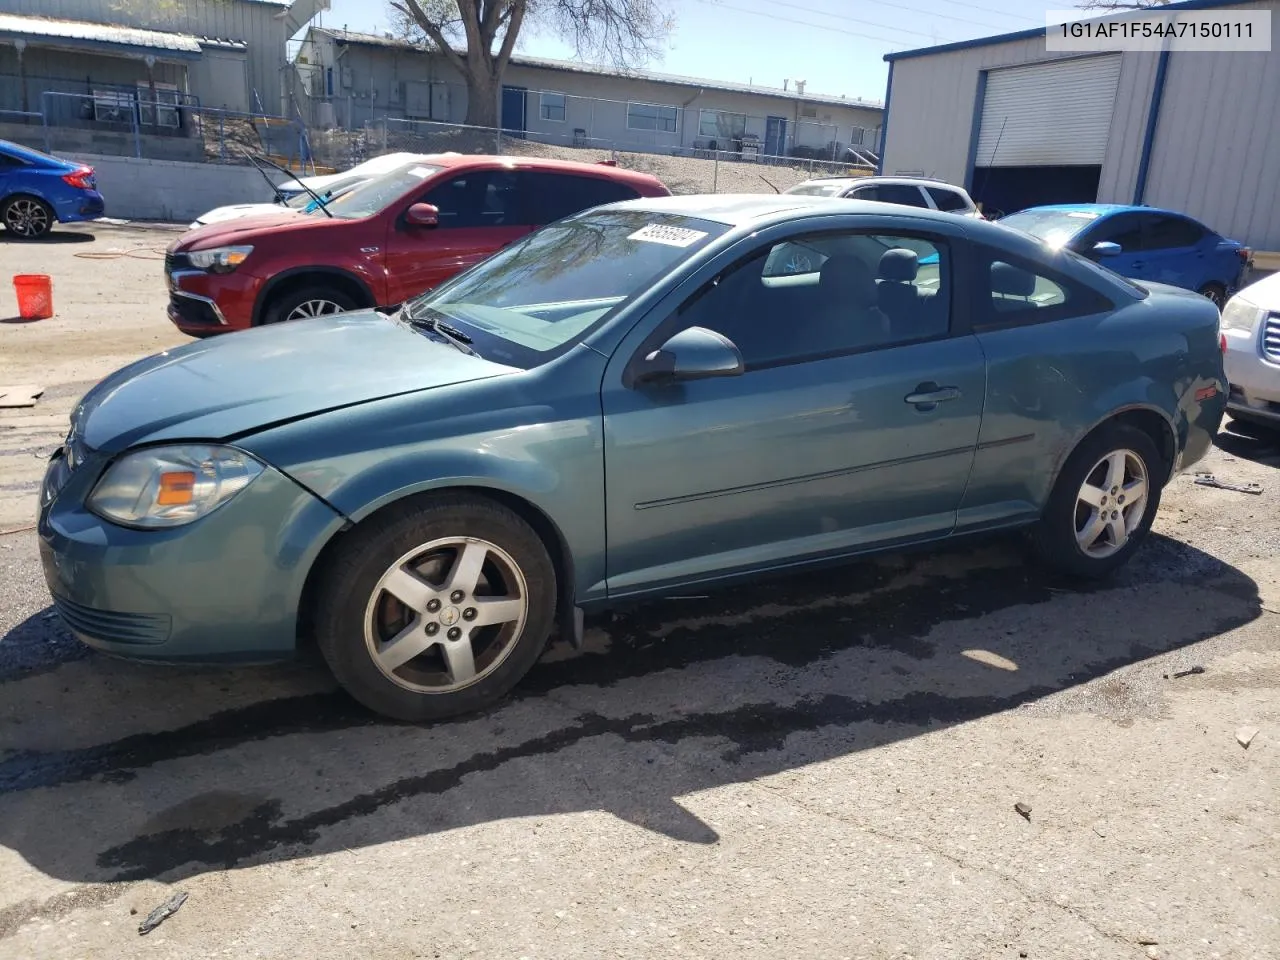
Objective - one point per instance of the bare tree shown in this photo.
(624, 33)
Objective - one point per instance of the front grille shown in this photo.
(142, 628)
(176, 261)
(1271, 338)
(195, 313)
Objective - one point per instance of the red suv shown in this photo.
(383, 242)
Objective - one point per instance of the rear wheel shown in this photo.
(27, 218)
(1103, 504)
(1216, 293)
(436, 608)
(304, 303)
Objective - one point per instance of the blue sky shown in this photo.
(835, 45)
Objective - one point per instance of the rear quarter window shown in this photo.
(1012, 292)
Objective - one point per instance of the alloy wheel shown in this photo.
(26, 218)
(1111, 504)
(446, 614)
(313, 308)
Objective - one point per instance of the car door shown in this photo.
(480, 211)
(1172, 251)
(853, 424)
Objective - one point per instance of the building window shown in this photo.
(718, 123)
(113, 106)
(652, 116)
(162, 111)
(551, 106)
(858, 137)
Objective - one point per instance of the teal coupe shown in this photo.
(637, 399)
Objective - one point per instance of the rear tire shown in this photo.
(27, 217)
(1216, 294)
(1094, 522)
(313, 300)
(435, 608)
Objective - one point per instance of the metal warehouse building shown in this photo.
(1018, 126)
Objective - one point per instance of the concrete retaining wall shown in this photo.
(173, 190)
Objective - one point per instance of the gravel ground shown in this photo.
(818, 766)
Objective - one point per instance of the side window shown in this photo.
(552, 196)
(479, 198)
(10, 163)
(947, 200)
(1017, 292)
(1126, 230)
(1169, 233)
(899, 193)
(827, 294)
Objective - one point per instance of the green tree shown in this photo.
(477, 37)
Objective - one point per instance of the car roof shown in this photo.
(1106, 209)
(515, 162)
(737, 209)
(930, 181)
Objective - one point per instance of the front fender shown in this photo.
(548, 455)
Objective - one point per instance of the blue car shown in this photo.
(638, 400)
(1143, 243)
(37, 191)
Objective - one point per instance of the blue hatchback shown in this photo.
(1143, 243)
(37, 191)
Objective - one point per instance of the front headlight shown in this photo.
(171, 486)
(219, 259)
(1240, 314)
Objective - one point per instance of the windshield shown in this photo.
(374, 195)
(1054, 227)
(820, 188)
(306, 202)
(531, 300)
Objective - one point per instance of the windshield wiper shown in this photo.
(433, 323)
(297, 178)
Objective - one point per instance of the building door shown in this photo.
(775, 137)
(1043, 132)
(513, 111)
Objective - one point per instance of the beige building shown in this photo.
(347, 79)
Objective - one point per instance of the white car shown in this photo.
(293, 194)
(1251, 329)
(923, 192)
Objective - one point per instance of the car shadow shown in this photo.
(52, 237)
(125, 772)
(1249, 441)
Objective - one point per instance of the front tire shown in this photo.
(307, 302)
(26, 217)
(436, 608)
(1103, 503)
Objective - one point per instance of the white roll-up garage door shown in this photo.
(1048, 114)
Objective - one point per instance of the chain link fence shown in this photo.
(684, 170)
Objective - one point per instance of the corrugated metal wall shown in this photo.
(1217, 145)
(253, 21)
(1216, 154)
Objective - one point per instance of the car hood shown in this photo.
(238, 383)
(239, 229)
(236, 210)
(1264, 293)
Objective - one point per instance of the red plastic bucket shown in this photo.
(35, 296)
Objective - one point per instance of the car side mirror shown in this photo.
(422, 215)
(695, 353)
(1107, 249)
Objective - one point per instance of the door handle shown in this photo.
(929, 395)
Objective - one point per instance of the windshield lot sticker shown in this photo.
(419, 172)
(671, 236)
(1083, 215)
